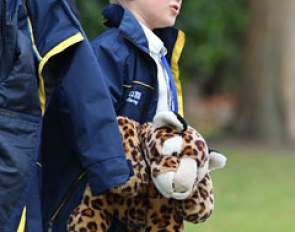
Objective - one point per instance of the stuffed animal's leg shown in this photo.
(162, 216)
(90, 215)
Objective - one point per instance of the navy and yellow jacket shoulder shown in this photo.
(131, 73)
(78, 118)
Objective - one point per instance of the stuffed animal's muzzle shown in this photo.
(178, 184)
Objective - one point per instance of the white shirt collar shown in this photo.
(156, 45)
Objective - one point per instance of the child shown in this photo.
(130, 53)
(134, 52)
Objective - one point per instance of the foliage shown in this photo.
(214, 34)
(90, 16)
(254, 192)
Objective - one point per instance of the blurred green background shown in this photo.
(237, 70)
(254, 192)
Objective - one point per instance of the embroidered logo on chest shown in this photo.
(134, 97)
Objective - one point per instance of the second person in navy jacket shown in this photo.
(139, 56)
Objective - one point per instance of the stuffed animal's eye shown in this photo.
(174, 154)
(166, 130)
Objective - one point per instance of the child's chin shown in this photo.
(169, 23)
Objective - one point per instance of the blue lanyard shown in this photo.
(174, 102)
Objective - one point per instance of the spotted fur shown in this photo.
(138, 203)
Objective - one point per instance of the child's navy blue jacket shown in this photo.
(131, 74)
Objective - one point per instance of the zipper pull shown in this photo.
(50, 226)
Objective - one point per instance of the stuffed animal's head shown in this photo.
(177, 155)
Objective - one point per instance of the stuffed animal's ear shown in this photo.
(170, 118)
(216, 160)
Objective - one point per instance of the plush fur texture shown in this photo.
(171, 181)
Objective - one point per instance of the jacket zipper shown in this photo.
(65, 200)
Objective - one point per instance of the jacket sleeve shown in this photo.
(113, 60)
(88, 117)
(90, 122)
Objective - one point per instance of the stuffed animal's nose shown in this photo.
(179, 187)
(186, 175)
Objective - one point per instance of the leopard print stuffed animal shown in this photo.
(171, 181)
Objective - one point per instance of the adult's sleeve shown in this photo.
(89, 119)
(113, 61)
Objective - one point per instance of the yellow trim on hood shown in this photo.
(54, 51)
(175, 68)
(78, 37)
(33, 40)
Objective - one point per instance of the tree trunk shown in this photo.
(267, 102)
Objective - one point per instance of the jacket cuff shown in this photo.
(108, 174)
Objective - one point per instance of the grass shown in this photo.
(254, 192)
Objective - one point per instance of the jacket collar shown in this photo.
(156, 45)
(117, 16)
